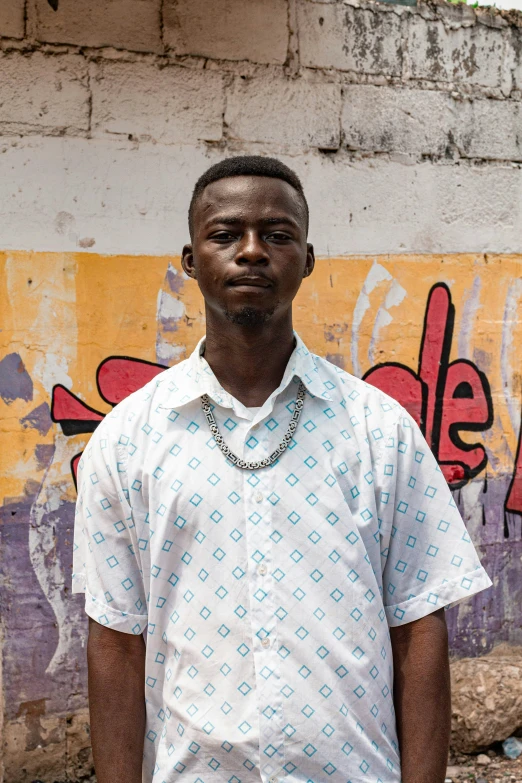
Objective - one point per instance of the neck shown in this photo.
(249, 362)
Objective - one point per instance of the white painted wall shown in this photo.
(115, 197)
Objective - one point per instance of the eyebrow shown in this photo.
(232, 219)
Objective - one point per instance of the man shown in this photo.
(278, 532)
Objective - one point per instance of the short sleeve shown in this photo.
(106, 561)
(428, 558)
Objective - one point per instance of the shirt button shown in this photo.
(262, 569)
(258, 497)
(265, 642)
(273, 779)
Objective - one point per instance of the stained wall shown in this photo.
(404, 124)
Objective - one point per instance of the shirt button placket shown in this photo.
(271, 745)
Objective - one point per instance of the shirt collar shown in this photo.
(194, 378)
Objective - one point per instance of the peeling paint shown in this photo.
(39, 419)
(15, 381)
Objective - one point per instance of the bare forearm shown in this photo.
(422, 698)
(116, 704)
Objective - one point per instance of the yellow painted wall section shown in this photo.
(63, 314)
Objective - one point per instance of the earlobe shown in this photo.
(310, 261)
(187, 261)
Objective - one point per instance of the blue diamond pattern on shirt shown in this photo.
(267, 594)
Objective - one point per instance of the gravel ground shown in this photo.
(484, 768)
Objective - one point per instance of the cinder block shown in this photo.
(465, 54)
(426, 122)
(491, 130)
(169, 105)
(124, 24)
(12, 18)
(514, 57)
(481, 203)
(349, 39)
(255, 30)
(43, 92)
(385, 119)
(286, 112)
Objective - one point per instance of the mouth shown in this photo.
(250, 282)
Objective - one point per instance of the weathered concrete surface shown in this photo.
(391, 119)
(486, 699)
(334, 35)
(358, 206)
(228, 29)
(404, 125)
(472, 55)
(253, 112)
(168, 105)
(43, 94)
(12, 24)
(429, 122)
(124, 24)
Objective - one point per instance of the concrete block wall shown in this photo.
(342, 88)
(405, 126)
(178, 62)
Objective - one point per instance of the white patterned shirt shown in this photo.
(267, 596)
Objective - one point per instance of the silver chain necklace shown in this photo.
(263, 463)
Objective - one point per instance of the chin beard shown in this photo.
(249, 316)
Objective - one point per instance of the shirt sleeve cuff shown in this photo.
(78, 583)
(113, 618)
(446, 594)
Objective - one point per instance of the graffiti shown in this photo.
(443, 335)
(444, 398)
(513, 503)
(116, 378)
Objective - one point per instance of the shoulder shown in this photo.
(133, 413)
(358, 396)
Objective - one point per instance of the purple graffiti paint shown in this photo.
(169, 324)
(44, 454)
(174, 279)
(15, 381)
(29, 622)
(39, 419)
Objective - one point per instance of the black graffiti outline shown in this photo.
(438, 410)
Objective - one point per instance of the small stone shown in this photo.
(453, 772)
(482, 760)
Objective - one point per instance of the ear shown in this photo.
(187, 261)
(310, 260)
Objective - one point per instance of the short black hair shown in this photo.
(246, 166)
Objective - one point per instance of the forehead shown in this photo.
(251, 198)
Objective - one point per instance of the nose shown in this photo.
(252, 250)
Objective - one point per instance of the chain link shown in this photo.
(263, 463)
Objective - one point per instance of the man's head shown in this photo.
(248, 222)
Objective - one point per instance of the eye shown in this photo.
(279, 236)
(222, 236)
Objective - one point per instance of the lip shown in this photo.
(250, 282)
